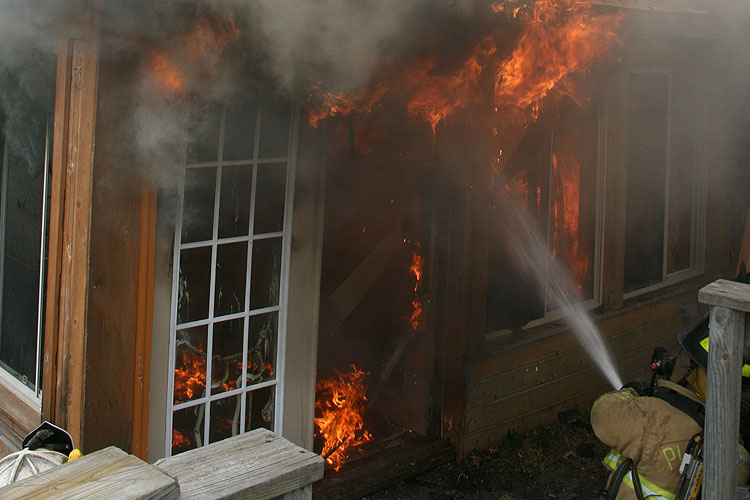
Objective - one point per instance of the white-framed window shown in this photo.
(26, 118)
(666, 188)
(557, 173)
(230, 272)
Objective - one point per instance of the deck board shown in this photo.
(255, 465)
(105, 474)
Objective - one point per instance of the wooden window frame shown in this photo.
(69, 227)
(698, 206)
(610, 221)
(598, 258)
(32, 397)
(597, 261)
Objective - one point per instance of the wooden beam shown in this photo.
(340, 304)
(729, 301)
(727, 294)
(55, 246)
(144, 318)
(303, 302)
(75, 213)
(723, 402)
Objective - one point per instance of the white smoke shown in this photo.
(341, 42)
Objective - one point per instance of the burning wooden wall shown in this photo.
(406, 264)
(502, 358)
(518, 378)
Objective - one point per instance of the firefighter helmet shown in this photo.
(44, 448)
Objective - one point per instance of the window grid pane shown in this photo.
(241, 335)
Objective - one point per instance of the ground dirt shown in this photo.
(558, 461)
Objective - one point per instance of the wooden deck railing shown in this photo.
(255, 465)
(729, 302)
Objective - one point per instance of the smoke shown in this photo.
(340, 42)
(26, 53)
(284, 45)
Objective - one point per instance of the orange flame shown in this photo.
(434, 97)
(204, 43)
(566, 237)
(416, 268)
(209, 37)
(340, 104)
(178, 440)
(416, 316)
(189, 376)
(166, 74)
(558, 38)
(417, 263)
(341, 404)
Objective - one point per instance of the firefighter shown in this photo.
(648, 437)
(651, 427)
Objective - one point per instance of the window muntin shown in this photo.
(665, 195)
(555, 172)
(25, 154)
(230, 272)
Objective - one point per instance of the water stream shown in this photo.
(532, 252)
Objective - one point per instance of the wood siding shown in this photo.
(527, 383)
(118, 306)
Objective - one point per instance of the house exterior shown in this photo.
(265, 245)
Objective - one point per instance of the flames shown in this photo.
(200, 47)
(341, 104)
(416, 268)
(166, 74)
(557, 43)
(209, 37)
(179, 441)
(340, 405)
(558, 39)
(189, 376)
(566, 234)
(434, 97)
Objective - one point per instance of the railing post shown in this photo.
(729, 302)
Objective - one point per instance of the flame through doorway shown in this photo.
(394, 141)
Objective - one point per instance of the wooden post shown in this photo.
(144, 322)
(55, 245)
(70, 216)
(729, 302)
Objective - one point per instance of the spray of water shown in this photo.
(532, 252)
